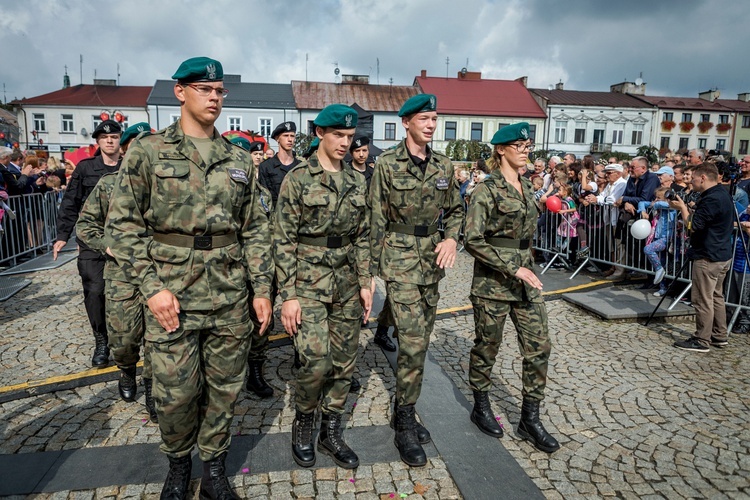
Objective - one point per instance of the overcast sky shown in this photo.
(681, 47)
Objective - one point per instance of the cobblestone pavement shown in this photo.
(635, 417)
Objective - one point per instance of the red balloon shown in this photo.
(554, 204)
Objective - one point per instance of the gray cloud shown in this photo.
(681, 47)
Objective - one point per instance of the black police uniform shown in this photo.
(367, 173)
(271, 174)
(90, 262)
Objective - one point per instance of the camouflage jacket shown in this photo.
(310, 204)
(164, 186)
(497, 209)
(400, 193)
(90, 224)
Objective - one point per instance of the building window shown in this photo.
(687, 117)
(476, 131)
(599, 135)
(173, 118)
(264, 125)
(66, 124)
(450, 131)
(124, 124)
(501, 125)
(637, 138)
(721, 144)
(746, 121)
(723, 118)
(580, 133)
(705, 117)
(96, 120)
(684, 142)
(664, 143)
(702, 143)
(234, 123)
(40, 122)
(311, 128)
(390, 131)
(743, 147)
(532, 132)
(668, 117)
(560, 126)
(617, 134)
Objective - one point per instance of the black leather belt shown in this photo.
(325, 241)
(422, 231)
(508, 243)
(200, 242)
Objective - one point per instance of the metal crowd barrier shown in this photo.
(28, 226)
(610, 246)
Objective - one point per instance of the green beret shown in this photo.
(509, 133)
(418, 104)
(312, 148)
(199, 69)
(132, 132)
(241, 142)
(336, 116)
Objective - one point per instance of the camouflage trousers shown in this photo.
(327, 341)
(385, 317)
(530, 320)
(125, 324)
(198, 372)
(413, 311)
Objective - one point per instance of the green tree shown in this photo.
(476, 150)
(649, 152)
(456, 150)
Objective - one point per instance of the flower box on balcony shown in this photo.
(723, 128)
(704, 127)
(686, 126)
(668, 125)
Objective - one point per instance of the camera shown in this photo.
(670, 195)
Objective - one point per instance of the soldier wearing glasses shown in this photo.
(500, 224)
(186, 225)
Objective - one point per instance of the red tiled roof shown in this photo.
(93, 95)
(318, 95)
(690, 103)
(481, 97)
(586, 98)
(735, 105)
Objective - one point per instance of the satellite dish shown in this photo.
(463, 71)
(550, 87)
(84, 132)
(336, 72)
(639, 81)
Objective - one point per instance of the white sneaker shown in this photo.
(660, 293)
(659, 276)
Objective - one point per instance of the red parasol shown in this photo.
(76, 155)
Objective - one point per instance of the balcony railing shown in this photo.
(601, 147)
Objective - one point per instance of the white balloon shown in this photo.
(640, 229)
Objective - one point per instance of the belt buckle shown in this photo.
(421, 230)
(335, 241)
(202, 242)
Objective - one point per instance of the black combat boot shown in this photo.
(100, 359)
(355, 386)
(255, 381)
(532, 430)
(177, 485)
(214, 484)
(406, 437)
(303, 450)
(127, 385)
(150, 406)
(422, 433)
(332, 443)
(482, 415)
(381, 339)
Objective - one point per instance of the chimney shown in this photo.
(469, 75)
(105, 81)
(635, 88)
(355, 79)
(744, 97)
(524, 80)
(423, 73)
(559, 85)
(710, 95)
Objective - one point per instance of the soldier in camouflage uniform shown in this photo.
(410, 189)
(256, 356)
(186, 225)
(124, 304)
(321, 251)
(500, 224)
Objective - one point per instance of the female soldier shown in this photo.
(499, 226)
